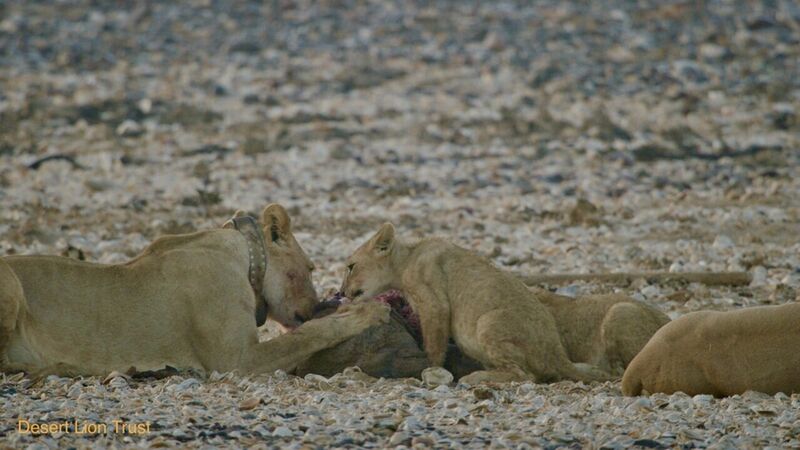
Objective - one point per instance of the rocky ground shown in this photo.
(555, 137)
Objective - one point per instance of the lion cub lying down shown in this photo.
(491, 315)
(606, 331)
(188, 301)
(721, 353)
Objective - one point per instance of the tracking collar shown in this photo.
(257, 253)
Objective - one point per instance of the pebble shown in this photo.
(74, 391)
(400, 438)
(282, 432)
(722, 242)
(186, 385)
(641, 404)
(703, 399)
(249, 403)
(436, 376)
(425, 441)
(651, 291)
(793, 280)
(411, 423)
(118, 383)
(759, 274)
(568, 291)
(129, 129)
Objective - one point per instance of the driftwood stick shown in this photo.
(707, 278)
(38, 163)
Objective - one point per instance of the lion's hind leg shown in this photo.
(505, 361)
(11, 298)
(517, 346)
(505, 343)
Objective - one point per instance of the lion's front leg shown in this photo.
(285, 352)
(434, 316)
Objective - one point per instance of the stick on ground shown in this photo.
(707, 278)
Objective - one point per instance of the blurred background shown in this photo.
(550, 136)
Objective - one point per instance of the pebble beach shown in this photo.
(551, 137)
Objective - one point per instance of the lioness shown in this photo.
(188, 301)
(492, 316)
(606, 331)
(721, 354)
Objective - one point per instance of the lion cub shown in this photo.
(606, 331)
(491, 315)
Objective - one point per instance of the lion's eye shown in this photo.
(350, 267)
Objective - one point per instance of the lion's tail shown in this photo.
(11, 297)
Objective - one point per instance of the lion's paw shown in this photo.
(368, 313)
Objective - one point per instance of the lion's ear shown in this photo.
(229, 223)
(383, 241)
(276, 221)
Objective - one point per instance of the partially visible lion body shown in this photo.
(186, 301)
(11, 296)
(492, 316)
(722, 354)
(606, 331)
(110, 317)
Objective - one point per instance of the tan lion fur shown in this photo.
(605, 331)
(721, 353)
(491, 315)
(186, 301)
(10, 299)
